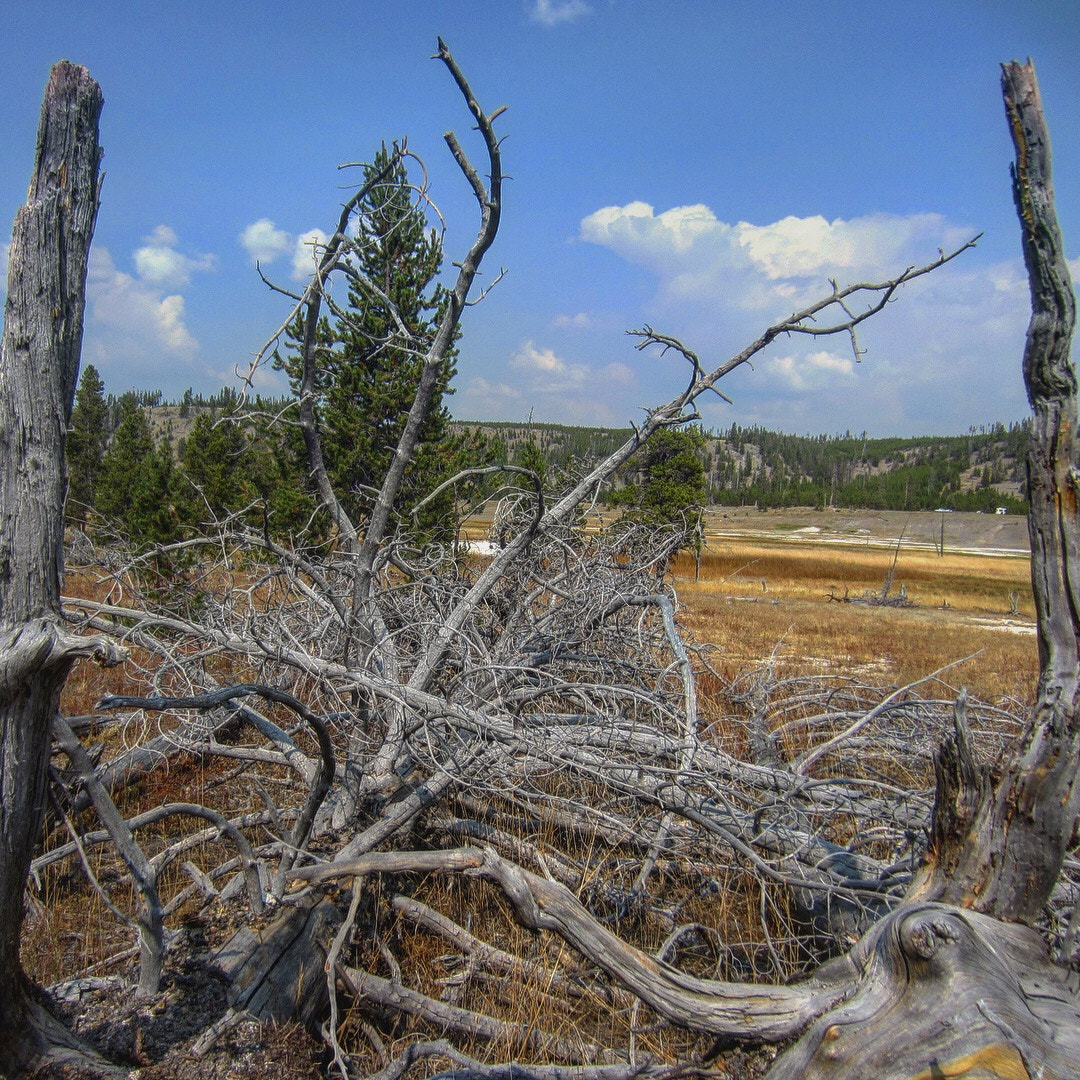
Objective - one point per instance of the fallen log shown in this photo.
(945, 993)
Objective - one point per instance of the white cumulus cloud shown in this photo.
(555, 12)
(701, 259)
(134, 318)
(637, 232)
(264, 241)
(307, 250)
(814, 371)
(160, 263)
(948, 346)
(870, 245)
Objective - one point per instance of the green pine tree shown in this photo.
(532, 457)
(668, 485)
(213, 467)
(86, 443)
(136, 489)
(274, 474)
(369, 366)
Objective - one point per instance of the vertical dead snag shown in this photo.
(39, 364)
(961, 990)
(1003, 854)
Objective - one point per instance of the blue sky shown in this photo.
(699, 166)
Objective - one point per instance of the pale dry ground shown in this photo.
(1004, 534)
(768, 579)
(768, 585)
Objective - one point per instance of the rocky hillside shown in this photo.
(981, 470)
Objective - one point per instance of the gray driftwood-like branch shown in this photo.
(39, 363)
(321, 782)
(543, 701)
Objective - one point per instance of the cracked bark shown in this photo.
(39, 363)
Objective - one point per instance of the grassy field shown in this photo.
(782, 584)
(769, 586)
(785, 597)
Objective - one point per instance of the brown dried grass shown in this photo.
(757, 599)
(961, 601)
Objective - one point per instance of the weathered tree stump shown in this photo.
(39, 364)
(277, 973)
(945, 993)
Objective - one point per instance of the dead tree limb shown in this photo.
(143, 875)
(554, 679)
(321, 782)
(729, 1009)
(1002, 855)
(39, 363)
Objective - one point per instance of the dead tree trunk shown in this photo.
(945, 990)
(998, 846)
(510, 683)
(42, 338)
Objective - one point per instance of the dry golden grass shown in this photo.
(754, 598)
(69, 929)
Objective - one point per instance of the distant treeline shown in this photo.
(190, 403)
(149, 472)
(561, 445)
(982, 470)
(154, 466)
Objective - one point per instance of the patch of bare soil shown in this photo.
(985, 533)
(156, 1039)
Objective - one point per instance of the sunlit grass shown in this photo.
(755, 599)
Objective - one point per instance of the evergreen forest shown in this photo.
(155, 470)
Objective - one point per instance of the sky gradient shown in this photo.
(702, 167)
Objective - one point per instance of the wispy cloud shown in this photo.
(481, 399)
(4, 249)
(265, 242)
(579, 321)
(545, 373)
(813, 371)
(955, 335)
(540, 382)
(556, 12)
(567, 389)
